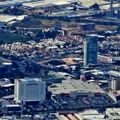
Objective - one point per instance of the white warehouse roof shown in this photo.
(68, 86)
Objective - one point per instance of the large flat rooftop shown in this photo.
(68, 86)
(29, 80)
(85, 3)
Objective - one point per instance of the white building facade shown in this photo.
(30, 90)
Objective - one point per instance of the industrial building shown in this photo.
(90, 49)
(30, 90)
(76, 94)
(74, 88)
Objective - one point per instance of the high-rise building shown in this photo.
(118, 16)
(30, 90)
(110, 12)
(111, 9)
(90, 50)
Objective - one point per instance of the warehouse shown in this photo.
(73, 87)
(76, 94)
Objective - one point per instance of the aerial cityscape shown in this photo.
(59, 59)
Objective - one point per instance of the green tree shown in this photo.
(118, 28)
(95, 6)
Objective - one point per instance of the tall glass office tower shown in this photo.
(90, 50)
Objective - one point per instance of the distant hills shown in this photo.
(2, 0)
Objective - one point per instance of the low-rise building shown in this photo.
(85, 115)
(75, 87)
(113, 113)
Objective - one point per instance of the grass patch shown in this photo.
(105, 27)
(6, 37)
(46, 23)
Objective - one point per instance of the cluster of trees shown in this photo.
(118, 28)
(13, 11)
(6, 37)
(95, 6)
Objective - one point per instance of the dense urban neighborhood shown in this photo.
(60, 60)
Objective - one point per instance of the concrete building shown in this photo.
(114, 73)
(87, 26)
(75, 87)
(105, 59)
(118, 14)
(111, 9)
(91, 114)
(76, 94)
(11, 108)
(30, 90)
(85, 115)
(115, 84)
(110, 13)
(90, 50)
(113, 113)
